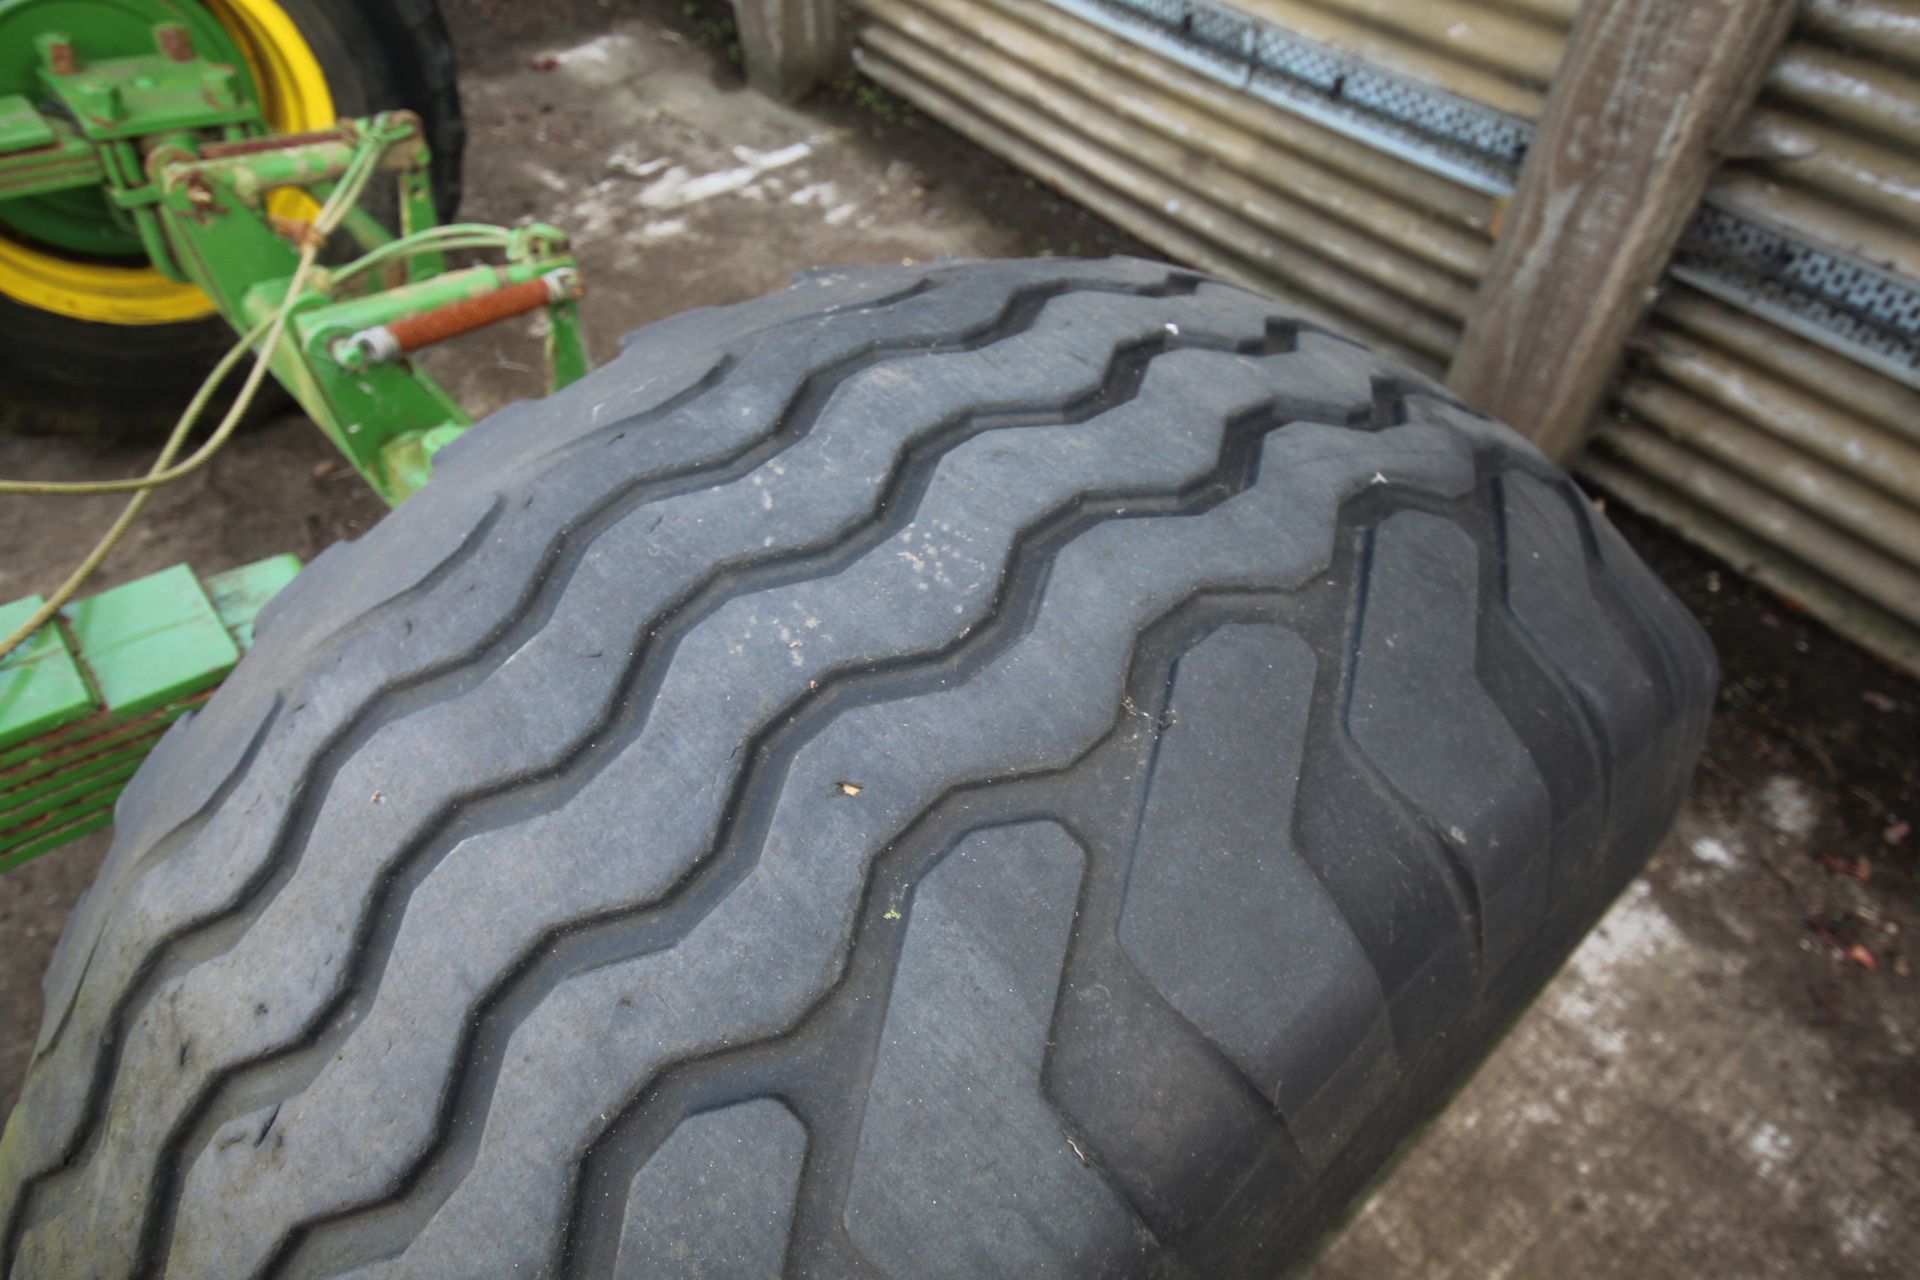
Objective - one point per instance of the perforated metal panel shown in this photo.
(1445, 132)
(1755, 248)
(1818, 292)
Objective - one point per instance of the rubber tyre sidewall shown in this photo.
(81, 379)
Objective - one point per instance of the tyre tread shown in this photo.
(262, 833)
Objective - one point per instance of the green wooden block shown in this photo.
(239, 594)
(151, 641)
(41, 686)
(84, 701)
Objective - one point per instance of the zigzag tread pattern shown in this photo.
(422, 620)
(640, 836)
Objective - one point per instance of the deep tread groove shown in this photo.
(531, 611)
(1270, 1182)
(174, 837)
(895, 505)
(549, 961)
(336, 636)
(769, 1067)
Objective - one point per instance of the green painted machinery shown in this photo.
(85, 699)
(167, 148)
(189, 164)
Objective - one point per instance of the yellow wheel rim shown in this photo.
(294, 98)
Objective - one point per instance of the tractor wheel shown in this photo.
(94, 342)
(1015, 769)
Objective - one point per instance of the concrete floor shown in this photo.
(1725, 1079)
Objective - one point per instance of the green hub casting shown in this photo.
(83, 221)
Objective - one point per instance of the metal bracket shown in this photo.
(388, 417)
(176, 148)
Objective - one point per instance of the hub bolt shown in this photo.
(175, 44)
(58, 51)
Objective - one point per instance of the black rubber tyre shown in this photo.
(1016, 769)
(63, 376)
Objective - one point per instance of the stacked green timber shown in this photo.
(86, 698)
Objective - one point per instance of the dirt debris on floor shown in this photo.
(629, 126)
(1725, 1079)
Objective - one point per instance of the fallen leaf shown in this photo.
(849, 788)
(1864, 958)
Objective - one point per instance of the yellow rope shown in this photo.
(352, 183)
(159, 474)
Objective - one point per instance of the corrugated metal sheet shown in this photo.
(1203, 136)
(1498, 54)
(1796, 463)
(1363, 241)
(1839, 120)
(1345, 71)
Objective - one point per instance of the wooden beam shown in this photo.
(790, 46)
(1647, 93)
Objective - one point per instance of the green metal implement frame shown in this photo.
(188, 165)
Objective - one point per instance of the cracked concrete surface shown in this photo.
(1724, 1079)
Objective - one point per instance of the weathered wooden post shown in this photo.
(1647, 93)
(790, 46)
